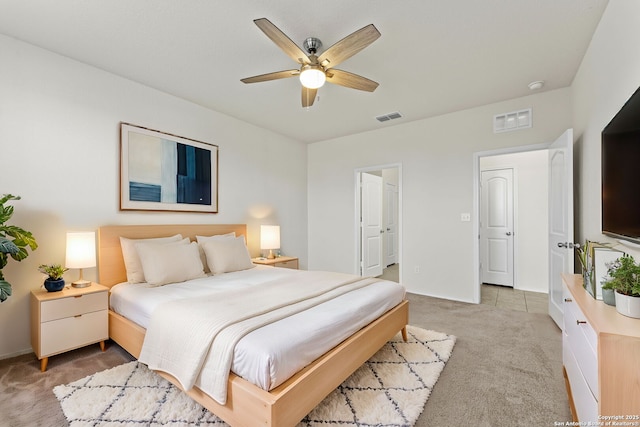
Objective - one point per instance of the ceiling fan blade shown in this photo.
(350, 80)
(282, 40)
(308, 96)
(349, 46)
(271, 76)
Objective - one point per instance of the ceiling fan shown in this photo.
(315, 70)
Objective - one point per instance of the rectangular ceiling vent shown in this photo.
(514, 120)
(389, 116)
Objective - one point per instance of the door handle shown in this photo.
(388, 229)
(508, 233)
(381, 231)
(568, 245)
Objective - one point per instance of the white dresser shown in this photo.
(601, 358)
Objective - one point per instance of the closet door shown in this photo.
(496, 227)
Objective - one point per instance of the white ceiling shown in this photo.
(434, 56)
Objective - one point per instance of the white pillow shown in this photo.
(227, 255)
(132, 261)
(169, 262)
(202, 239)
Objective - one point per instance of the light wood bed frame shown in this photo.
(248, 405)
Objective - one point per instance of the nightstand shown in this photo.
(283, 262)
(69, 319)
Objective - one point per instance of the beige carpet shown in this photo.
(506, 370)
(390, 389)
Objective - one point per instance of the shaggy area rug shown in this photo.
(390, 389)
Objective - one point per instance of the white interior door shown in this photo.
(391, 223)
(560, 219)
(371, 224)
(496, 227)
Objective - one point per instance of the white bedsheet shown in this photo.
(271, 354)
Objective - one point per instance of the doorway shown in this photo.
(378, 238)
(512, 250)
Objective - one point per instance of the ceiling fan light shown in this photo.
(312, 77)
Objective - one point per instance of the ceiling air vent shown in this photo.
(512, 121)
(389, 116)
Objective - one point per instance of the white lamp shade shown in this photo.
(81, 250)
(269, 236)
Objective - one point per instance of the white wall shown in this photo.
(437, 165)
(59, 150)
(531, 207)
(608, 76)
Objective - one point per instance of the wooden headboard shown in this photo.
(111, 269)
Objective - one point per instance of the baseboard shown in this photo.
(16, 354)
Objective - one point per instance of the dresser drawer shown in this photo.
(72, 306)
(582, 340)
(584, 401)
(68, 333)
(288, 264)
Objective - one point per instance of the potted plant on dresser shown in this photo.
(54, 282)
(624, 276)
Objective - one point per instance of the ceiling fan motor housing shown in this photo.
(312, 45)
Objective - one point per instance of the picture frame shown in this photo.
(164, 172)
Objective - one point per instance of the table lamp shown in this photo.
(270, 238)
(81, 253)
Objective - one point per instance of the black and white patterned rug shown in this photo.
(390, 389)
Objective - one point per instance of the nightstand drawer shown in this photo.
(288, 264)
(72, 306)
(73, 332)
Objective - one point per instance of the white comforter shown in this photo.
(271, 354)
(219, 321)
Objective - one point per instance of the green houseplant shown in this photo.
(54, 282)
(608, 292)
(14, 242)
(624, 277)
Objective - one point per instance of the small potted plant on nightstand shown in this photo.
(54, 282)
(625, 279)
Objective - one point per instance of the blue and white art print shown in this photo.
(164, 172)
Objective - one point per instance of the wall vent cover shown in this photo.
(514, 120)
(389, 116)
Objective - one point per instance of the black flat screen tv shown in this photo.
(621, 173)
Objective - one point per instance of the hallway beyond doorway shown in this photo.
(514, 299)
(391, 273)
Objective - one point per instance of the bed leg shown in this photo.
(404, 334)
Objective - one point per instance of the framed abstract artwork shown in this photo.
(164, 172)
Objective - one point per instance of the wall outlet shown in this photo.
(465, 217)
(416, 269)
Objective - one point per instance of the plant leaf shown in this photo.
(8, 247)
(21, 237)
(5, 213)
(6, 197)
(5, 290)
(20, 255)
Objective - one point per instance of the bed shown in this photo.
(247, 404)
